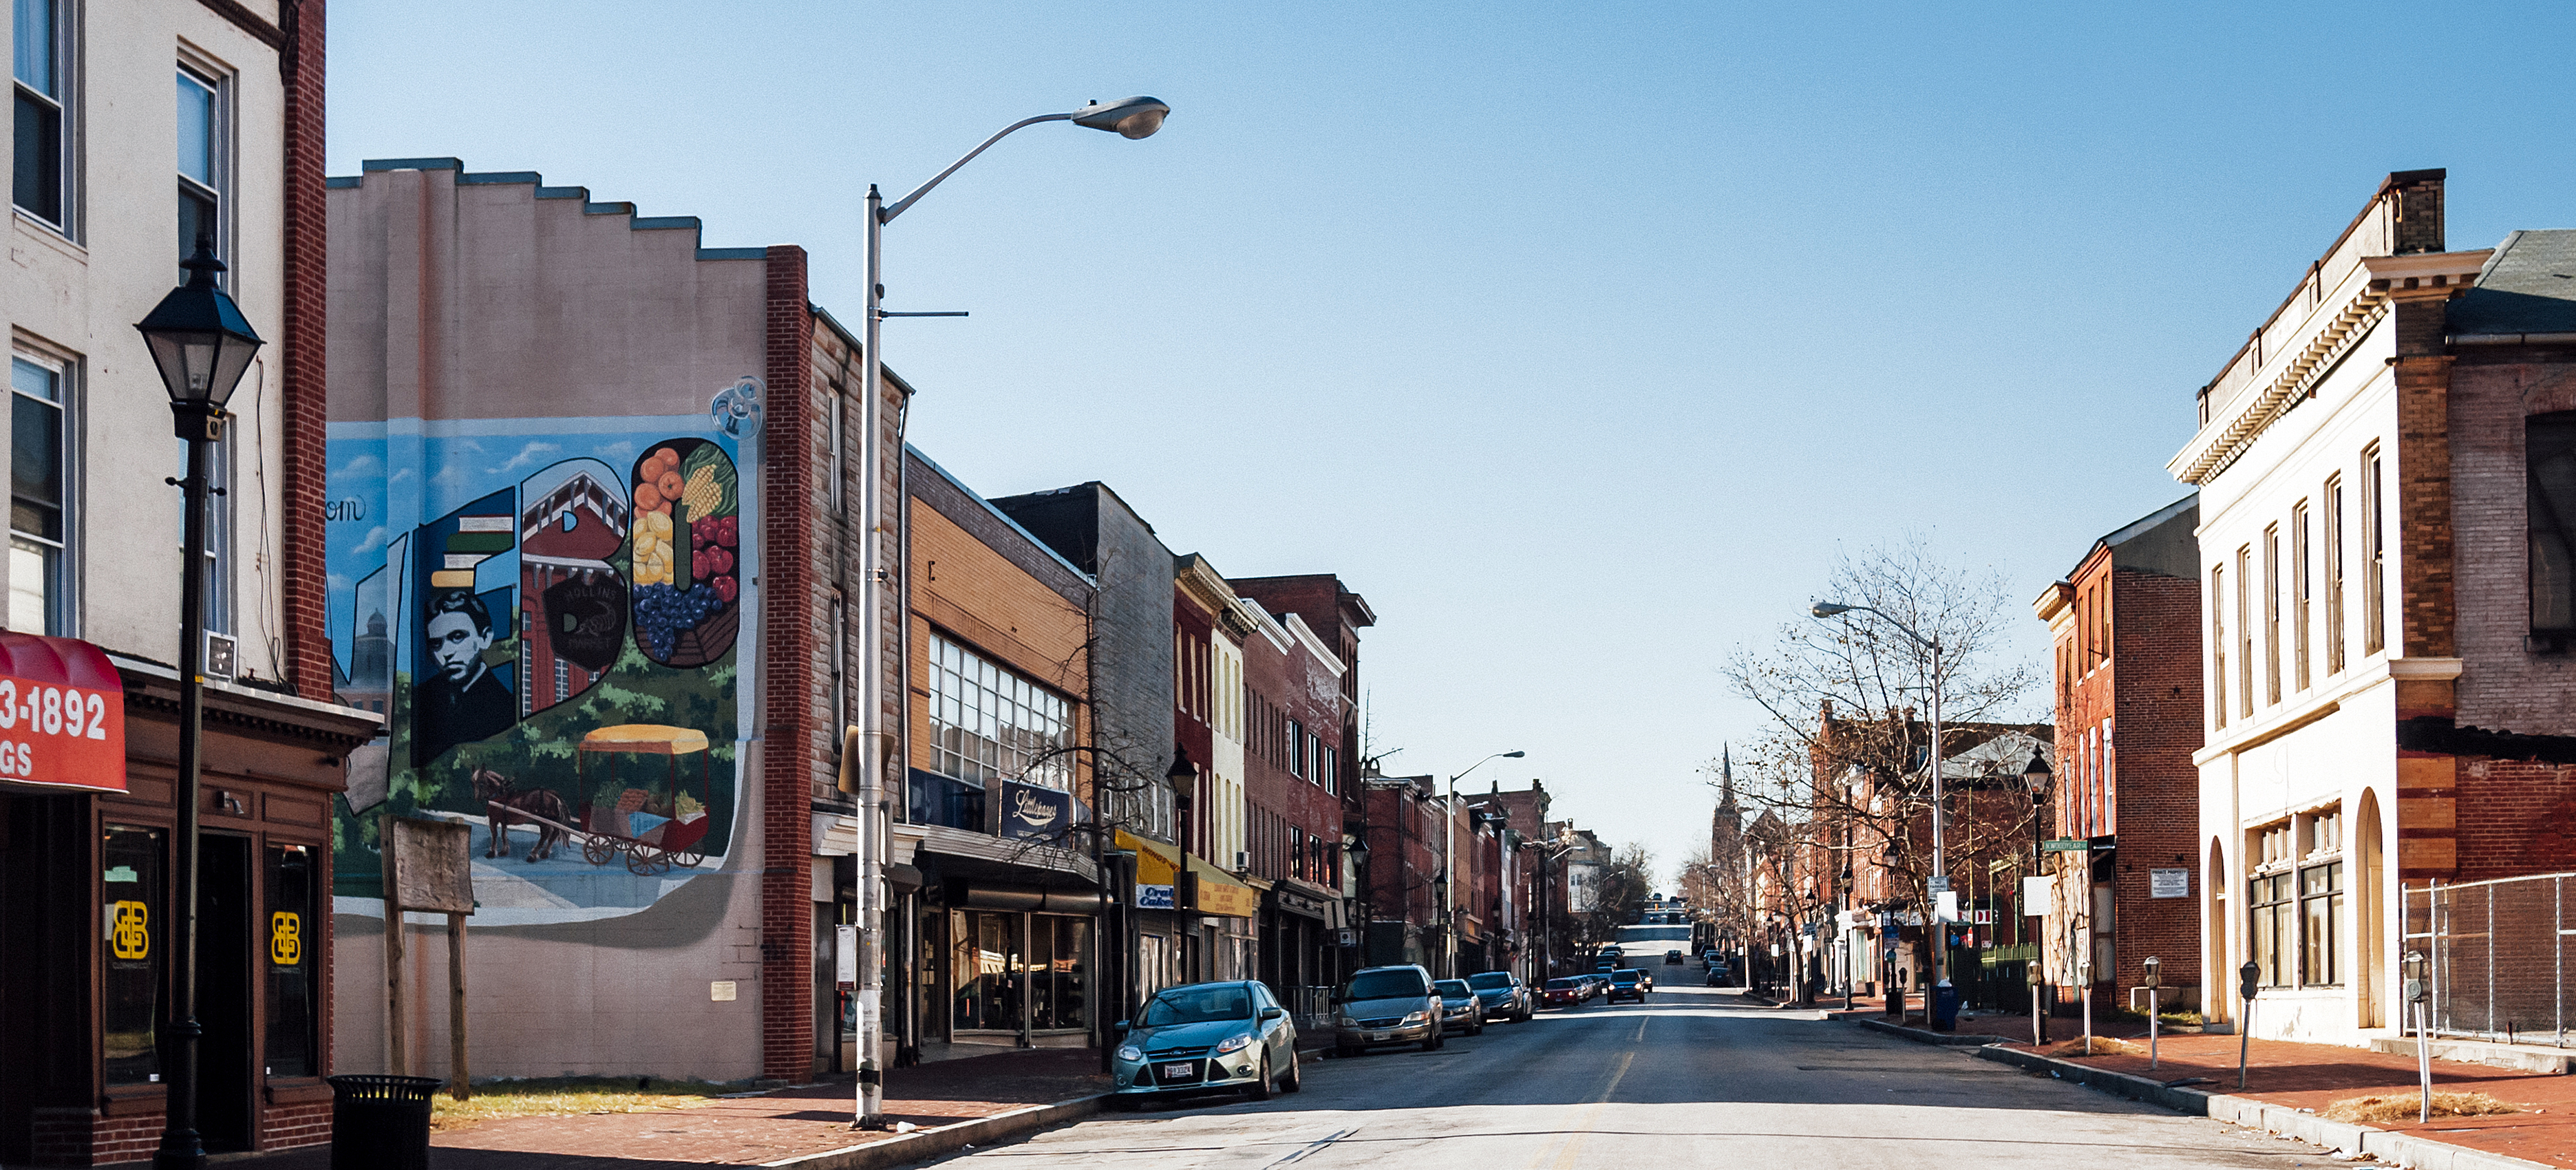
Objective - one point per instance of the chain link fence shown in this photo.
(2498, 954)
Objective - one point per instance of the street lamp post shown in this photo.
(1940, 814)
(1135, 117)
(1449, 868)
(201, 344)
(2036, 778)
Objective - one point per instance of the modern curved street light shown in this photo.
(1135, 117)
(1823, 610)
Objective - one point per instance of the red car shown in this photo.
(1568, 992)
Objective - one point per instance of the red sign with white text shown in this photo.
(62, 715)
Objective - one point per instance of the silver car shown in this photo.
(1460, 1011)
(1386, 1005)
(1207, 1037)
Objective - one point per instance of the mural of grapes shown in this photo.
(682, 556)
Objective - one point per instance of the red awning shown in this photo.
(62, 715)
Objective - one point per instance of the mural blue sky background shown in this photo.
(1578, 338)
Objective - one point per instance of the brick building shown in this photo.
(104, 212)
(621, 472)
(2125, 628)
(1295, 770)
(1000, 923)
(1401, 832)
(2387, 610)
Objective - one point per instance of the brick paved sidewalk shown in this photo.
(2313, 1076)
(748, 1131)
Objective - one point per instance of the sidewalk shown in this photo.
(753, 1130)
(2309, 1077)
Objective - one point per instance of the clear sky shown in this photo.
(1576, 337)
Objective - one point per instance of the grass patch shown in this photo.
(568, 1097)
(2387, 1110)
(2102, 1046)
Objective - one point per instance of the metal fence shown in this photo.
(2498, 954)
(1312, 1007)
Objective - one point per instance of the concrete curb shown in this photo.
(2389, 1146)
(1920, 1036)
(946, 1139)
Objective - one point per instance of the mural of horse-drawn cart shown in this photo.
(655, 822)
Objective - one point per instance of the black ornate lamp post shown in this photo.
(202, 344)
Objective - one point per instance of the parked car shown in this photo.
(1672, 958)
(1717, 977)
(1504, 995)
(1628, 984)
(1386, 1005)
(1460, 1010)
(1204, 1037)
(1596, 984)
(1567, 992)
(1711, 957)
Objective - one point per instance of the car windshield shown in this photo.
(1198, 1005)
(1385, 985)
(1624, 977)
(1453, 988)
(1564, 984)
(1490, 980)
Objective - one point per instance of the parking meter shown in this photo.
(2155, 967)
(2416, 994)
(2155, 976)
(2414, 967)
(2246, 976)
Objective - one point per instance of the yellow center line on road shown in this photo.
(1574, 1141)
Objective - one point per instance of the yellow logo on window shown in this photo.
(285, 939)
(130, 937)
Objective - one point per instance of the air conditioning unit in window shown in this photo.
(1242, 861)
(219, 656)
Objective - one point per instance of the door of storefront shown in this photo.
(226, 1112)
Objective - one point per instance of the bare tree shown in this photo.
(1843, 760)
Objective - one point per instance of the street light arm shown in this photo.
(900, 205)
(1907, 630)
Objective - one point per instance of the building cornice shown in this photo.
(2295, 374)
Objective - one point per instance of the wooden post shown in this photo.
(396, 1059)
(459, 1083)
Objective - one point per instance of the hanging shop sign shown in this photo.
(62, 715)
(1030, 811)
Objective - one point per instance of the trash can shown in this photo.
(380, 1122)
(1945, 1007)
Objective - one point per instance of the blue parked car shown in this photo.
(1207, 1037)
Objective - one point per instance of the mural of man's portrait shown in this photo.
(460, 699)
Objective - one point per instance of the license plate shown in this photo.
(1177, 1072)
(1377, 1035)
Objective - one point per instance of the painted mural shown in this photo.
(549, 614)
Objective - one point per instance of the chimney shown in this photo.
(2415, 210)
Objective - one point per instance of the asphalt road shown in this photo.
(1691, 1078)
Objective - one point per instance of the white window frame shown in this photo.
(64, 621)
(64, 99)
(218, 83)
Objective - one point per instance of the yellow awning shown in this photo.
(1156, 863)
(645, 738)
(1219, 893)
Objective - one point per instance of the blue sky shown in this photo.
(1577, 338)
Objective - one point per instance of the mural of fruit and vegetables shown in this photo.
(524, 602)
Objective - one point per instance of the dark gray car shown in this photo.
(1386, 1005)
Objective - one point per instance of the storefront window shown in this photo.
(2270, 903)
(2320, 907)
(1060, 966)
(292, 946)
(987, 953)
(133, 928)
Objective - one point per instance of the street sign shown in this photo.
(1940, 883)
(2066, 845)
(1981, 918)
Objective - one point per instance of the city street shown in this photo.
(1692, 1078)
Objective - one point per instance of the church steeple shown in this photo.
(1726, 784)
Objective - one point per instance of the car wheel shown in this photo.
(1479, 1029)
(1432, 1042)
(1262, 1085)
(1296, 1077)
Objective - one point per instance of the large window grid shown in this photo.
(988, 722)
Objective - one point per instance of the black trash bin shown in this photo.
(380, 1122)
